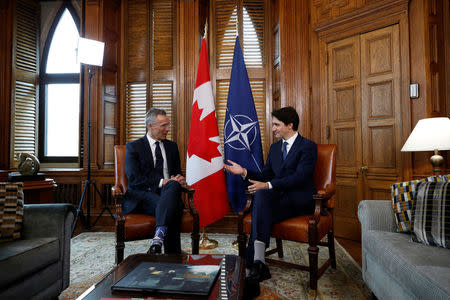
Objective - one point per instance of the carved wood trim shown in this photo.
(361, 19)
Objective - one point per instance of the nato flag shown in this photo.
(241, 130)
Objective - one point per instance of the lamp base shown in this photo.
(436, 161)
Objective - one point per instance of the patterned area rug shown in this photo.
(92, 256)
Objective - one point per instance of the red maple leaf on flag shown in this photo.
(201, 131)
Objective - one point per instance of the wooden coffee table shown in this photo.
(229, 284)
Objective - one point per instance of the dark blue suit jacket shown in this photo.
(294, 176)
(141, 172)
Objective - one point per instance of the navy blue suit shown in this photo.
(143, 194)
(292, 189)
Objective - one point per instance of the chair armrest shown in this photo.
(117, 191)
(118, 194)
(51, 220)
(376, 215)
(324, 195)
(320, 199)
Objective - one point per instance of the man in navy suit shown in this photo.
(155, 180)
(283, 189)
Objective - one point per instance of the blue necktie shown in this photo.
(159, 160)
(284, 148)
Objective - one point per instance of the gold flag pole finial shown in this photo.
(206, 242)
(205, 30)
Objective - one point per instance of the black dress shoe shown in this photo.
(251, 290)
(258, 272)
(154, 249)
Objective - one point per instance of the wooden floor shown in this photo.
(352, 247)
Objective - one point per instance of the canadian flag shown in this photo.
(204, 164)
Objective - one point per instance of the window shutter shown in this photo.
(136, 87)
(163, 75)
(162, 35)
(135, 111)
(252, 13)
(162, 95)
(253, 31)
(226, 20)
(25, 70)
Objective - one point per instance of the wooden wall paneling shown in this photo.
(275, 60)
(110, 84)
(123, 54)
(405, 80)
(6, 23)
(192, 18)
(446, 18)
(420, 73)
(435, 57)
(326, 10)
(318, 109)
(93, 30)
(272, 68)
(294, 45)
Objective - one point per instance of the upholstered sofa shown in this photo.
(36, 266)
(395, 267)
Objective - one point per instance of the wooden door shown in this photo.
(364, 120)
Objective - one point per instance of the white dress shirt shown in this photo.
(163, 152)
(290, 141)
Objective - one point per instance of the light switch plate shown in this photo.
(414, 90)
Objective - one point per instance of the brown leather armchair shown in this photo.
(136, 226)
(309, 229)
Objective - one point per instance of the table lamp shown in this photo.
(432, 134)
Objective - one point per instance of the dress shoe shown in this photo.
(251, 289)
(258, 272)
(154, 249)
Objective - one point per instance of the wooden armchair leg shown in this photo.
(279, 247)
(120, 238)
(195, 239)
(331, 249)
(242, 241)
(313, 252)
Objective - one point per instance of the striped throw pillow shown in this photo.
(11, 210)
(431, 217)
(403, 197)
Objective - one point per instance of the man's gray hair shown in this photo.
(150, 116)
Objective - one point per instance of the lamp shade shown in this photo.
(90, 52)
(429, 135)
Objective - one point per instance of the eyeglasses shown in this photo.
(165, 126)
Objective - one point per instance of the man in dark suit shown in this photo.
(282, 190)
(155, 180)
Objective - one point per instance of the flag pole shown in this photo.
(205, 241)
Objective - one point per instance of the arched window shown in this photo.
(60, 90)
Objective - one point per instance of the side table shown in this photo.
(39, 191)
